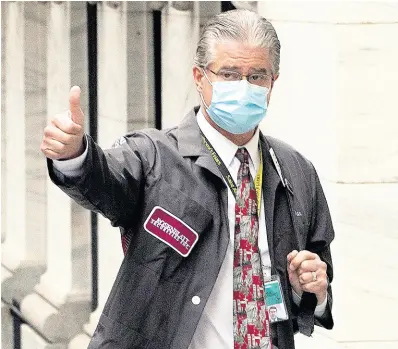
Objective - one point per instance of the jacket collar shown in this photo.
(189, 141)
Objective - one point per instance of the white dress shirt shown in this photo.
(215, 328)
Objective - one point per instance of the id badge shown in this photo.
(274, 299)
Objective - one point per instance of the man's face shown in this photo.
(233, 56)
(272, 313)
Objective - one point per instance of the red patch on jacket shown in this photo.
(171, 230)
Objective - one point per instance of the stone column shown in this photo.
(24, 181)
(208, 9)
(3, 123)
(248, 5)
(180, 35)
(140, 64)
(112, 118)
(335, 101)
(125, 103)
(61, 304)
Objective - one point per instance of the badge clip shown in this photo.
(278, 167)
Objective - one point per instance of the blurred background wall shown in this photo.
(335, 101)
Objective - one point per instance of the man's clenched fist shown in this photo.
(63, 136)
(307, 272)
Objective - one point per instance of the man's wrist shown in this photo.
(321, 307)
(298, 293)
(296, 297)
(72, 167)
(321, 297)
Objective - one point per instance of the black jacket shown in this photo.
(150, 305)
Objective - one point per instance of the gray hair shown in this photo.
(240, 25)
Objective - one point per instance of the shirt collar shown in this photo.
(224, 147)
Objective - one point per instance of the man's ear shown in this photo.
(274, 79)
(198, 77)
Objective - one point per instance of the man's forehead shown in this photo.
(236, 56)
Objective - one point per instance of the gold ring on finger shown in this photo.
(314, 277)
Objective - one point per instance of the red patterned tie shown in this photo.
(251, 320)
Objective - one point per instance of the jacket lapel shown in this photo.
(190, 144)
(271, 181)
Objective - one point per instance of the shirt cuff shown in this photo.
(72, 167)
(320, 308)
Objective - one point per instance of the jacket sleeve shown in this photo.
(319, 240)
(111, 182)
(319, 237)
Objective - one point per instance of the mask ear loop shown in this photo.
(204, 72)
(200, 93)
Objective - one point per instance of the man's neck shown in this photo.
(238, 139)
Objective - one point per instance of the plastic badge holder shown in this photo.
(276, 305)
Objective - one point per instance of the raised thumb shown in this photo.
(74, 106)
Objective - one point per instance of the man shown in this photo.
(208, 210)
(273, 314)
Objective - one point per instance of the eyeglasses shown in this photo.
(259, 79)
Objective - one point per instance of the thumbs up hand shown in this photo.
(63, 136)
(74, 106)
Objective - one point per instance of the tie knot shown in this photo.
(243, 155)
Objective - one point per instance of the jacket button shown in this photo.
(196, 300)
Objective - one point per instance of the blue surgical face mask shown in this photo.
(237, 106)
